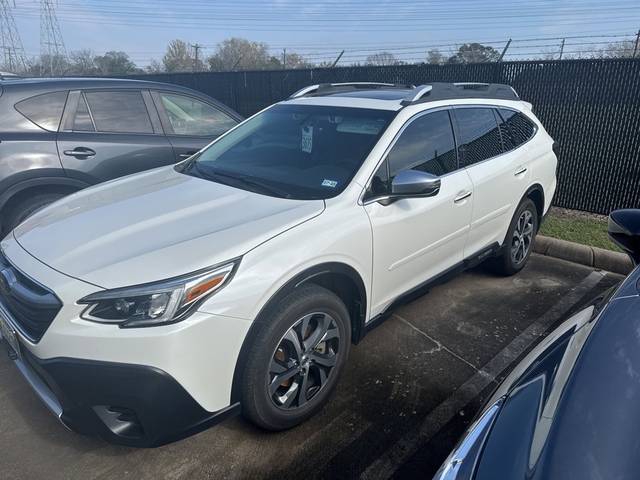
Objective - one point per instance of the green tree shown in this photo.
(114, 63)
(475, 53)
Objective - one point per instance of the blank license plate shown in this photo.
(9, 334)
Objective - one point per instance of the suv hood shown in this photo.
(155, 225)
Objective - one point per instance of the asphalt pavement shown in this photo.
(410, 389)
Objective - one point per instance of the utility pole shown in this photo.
(506, 47)
(196, 47)
(284, 58)
(51, 42)
(637, 46)
(561, 49)
(337, 59)
(13, 56)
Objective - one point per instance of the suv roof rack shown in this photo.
(451, 91)
(330, 88)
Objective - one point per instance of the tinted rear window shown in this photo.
(519, 127)
(119, 111)
(44, 110)
(479, 134)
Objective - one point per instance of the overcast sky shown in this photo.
(142, 28)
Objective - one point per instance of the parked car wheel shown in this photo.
(295, 361)
(519, 241)
(25, 208)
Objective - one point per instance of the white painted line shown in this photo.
(405, 447)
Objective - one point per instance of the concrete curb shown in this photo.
(595, 257)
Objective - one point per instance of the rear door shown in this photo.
(500, 177)
(107, 134)
(189, 122)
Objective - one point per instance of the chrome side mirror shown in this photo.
(415, 183)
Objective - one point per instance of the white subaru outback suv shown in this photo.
(150, 307)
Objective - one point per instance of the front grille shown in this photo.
(32, 306)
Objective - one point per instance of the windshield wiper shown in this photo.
(251, 182)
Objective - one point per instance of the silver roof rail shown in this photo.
(328, 86)
(419, 92)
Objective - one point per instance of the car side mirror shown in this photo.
(415, 183)
(624, 231)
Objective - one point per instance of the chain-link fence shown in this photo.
(590, 107)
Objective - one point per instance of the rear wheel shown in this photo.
(23, 209)
(296, 359)
(519, 241)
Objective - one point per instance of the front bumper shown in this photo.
(125, 404)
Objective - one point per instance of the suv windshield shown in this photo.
(293, 151)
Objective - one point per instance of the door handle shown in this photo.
(80, 152)
(461, 196)
(520, 171)
(187, 155)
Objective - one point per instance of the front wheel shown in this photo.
(518, 244)
(296, 358)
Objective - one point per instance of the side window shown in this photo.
(82, 121)
(505, 132)
(44, 110)
(479, 134)
(189, 116)
(427, 144)
(119, 111)
(520, 127)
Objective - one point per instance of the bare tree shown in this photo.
(622, 49)
(241, 54)
(178, 58)
(382, 58)
(82, 62)
(435, 57)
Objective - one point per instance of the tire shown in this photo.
(25, 208)
(274, 355)
(510, 261)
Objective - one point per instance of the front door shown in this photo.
(190, 123)
(416, 239)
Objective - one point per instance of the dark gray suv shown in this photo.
(58, 136)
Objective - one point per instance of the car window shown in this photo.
(520, 128)
(293, 151)
(189, 116)
(82, 121)
(119, 111)
(426, 144)
(479, 137)
(505, 134)
(44, 110)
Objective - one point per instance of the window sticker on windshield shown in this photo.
(329, 183)
(307, 139)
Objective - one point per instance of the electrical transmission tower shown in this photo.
(53, 54)
(13, 57)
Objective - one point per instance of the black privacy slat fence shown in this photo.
(590, 107)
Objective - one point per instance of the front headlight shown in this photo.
(158, 303)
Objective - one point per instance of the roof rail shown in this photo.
(329, 88)
(451, 91)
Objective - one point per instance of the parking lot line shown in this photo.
(385, 466)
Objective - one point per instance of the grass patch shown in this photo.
(578, 228)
